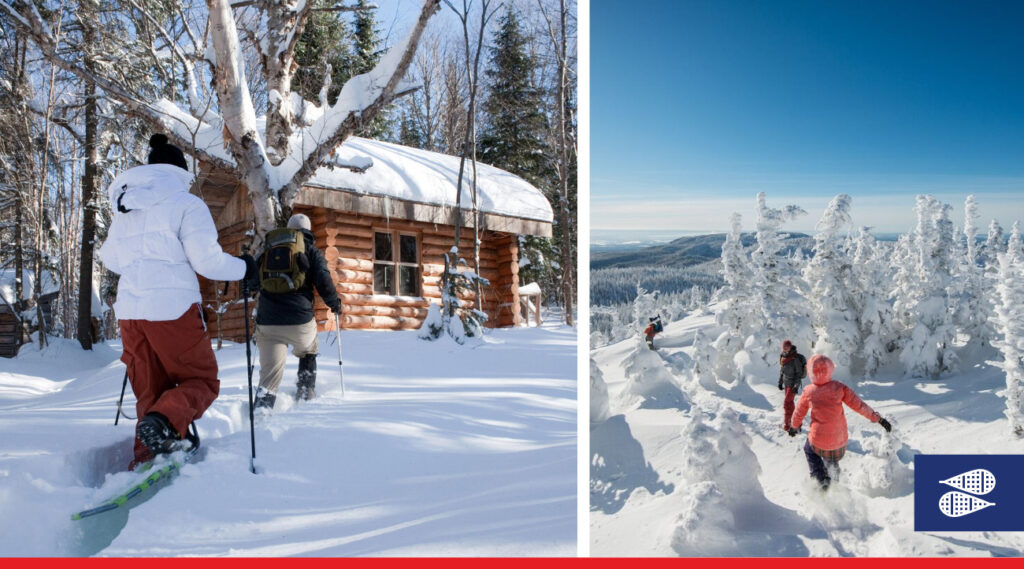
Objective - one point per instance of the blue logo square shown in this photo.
(969, 492)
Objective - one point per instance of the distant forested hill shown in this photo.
(671, 268)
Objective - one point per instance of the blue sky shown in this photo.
(698, 105)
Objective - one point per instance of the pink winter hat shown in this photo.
(820, 369)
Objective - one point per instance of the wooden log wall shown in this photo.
(347, 239)
(10, 333)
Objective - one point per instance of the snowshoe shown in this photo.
(264, 399)
(155, 431)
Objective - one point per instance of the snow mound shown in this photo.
(724, 502)
(651, 383)
(599, 409)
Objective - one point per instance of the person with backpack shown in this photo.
(654, 327)
(792, 371)
(288, 270)
(827, 437)
(160, 237)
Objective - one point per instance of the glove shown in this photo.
(792, 431)
(780, 383)
(336, 308)
(885, 424)
(250, 267)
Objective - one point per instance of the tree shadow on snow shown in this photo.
(618, 466)
(970, 397)
(665, 396)
(741, 392)
(995, 550)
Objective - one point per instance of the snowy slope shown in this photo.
(435, 450)
(718, 476)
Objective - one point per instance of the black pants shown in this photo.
(818, 465)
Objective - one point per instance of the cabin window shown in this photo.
(396, 263)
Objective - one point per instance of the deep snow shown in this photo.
(435, 450)
(713, 473)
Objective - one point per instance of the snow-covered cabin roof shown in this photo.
(421, 176)
(28, 280)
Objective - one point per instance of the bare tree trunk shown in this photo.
(90, 183)
(568, 284)
(469, 142)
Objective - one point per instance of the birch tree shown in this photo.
(222, 130)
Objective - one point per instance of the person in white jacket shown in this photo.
(160, 237)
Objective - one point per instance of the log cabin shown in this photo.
(13, 332)
(384, 225)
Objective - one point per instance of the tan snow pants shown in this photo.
(273, 342)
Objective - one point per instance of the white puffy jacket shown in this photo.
(161, 243)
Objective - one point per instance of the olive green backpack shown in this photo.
(279, 268)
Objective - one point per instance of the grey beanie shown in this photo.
(299, 221)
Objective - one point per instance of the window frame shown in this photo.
(396, 261)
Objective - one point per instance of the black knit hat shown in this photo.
(165, 153)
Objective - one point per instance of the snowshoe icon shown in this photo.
(957, 504)
(978, 481)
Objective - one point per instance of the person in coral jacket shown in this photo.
(824, 398)
(160, 237)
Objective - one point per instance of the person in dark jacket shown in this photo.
(792, 370)
(286, 319)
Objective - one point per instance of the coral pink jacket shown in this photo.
(825, 399)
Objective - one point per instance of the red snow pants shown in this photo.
(172, 369)
(788, 406)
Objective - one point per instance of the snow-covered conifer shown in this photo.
(922, 296)
(870, 274)
(995, 243)
(830, 277)
(969, 290)
(704, 358)
(775, 284)
(1009, 319)
(737, 315)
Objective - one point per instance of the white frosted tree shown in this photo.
(738, 314)
(704, 358)
(970, 287)
(829, 275)
(1009, 320)
(645, 307)
(922, 304)
(776, 284)
(995, 243)
(871, 271)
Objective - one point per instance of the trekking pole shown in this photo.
(124, 385)
(248, 369)
(341, 367)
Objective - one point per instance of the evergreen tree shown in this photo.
(324, 44)
(737, 315)
(366, 53)
(512, 137)
(409, 132)
(995, 243)
(776, 283)
(973, 304)
(870, 270)
(830, 276)
(1009, 318)
(923, 303)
